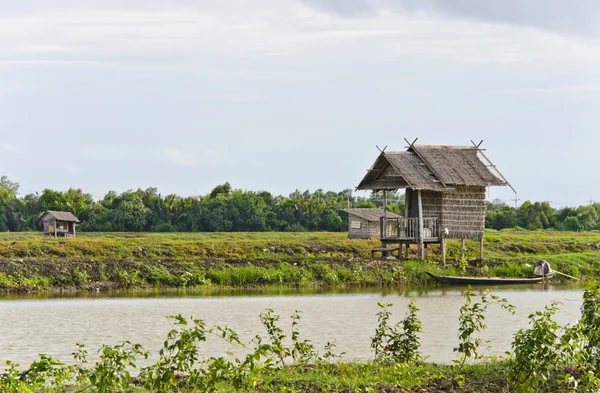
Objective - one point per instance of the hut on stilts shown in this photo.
(445, 194)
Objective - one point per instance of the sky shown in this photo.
(280, 95)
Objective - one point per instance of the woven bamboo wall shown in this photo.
(463, 212)
(432, 204)
(367, 230)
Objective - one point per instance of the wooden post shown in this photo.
(74, 230)
(481, 248)
(420, 205)
(443, 246)
(384, 214)
(462, 248)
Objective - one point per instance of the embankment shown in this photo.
(30, 262)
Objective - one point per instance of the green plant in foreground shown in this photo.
(47, 371)
(179, 355)
(546, 359)
(275, 335)
(536, 354)
(10, 381)
(472, 321)
(399, 343)
(303, 352)
(112, 373)
(590, 322)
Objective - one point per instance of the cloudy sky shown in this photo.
(284, 94)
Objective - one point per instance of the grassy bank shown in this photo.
(371, 377)
(28, 261)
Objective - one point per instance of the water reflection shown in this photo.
(408, 291)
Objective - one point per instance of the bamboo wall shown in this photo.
(367, 230)
(463, 212)
(432, 204)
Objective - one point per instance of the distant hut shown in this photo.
(365, 223)
(445, 194)
(59, 223)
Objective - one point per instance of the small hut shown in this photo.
(59, 223)
(445, 193)
(365, 223)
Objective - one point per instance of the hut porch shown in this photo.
(403, 231)
(406, 229)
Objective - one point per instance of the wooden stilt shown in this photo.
(420, 205)
(481, 248)
(384, 233)
(443, 246)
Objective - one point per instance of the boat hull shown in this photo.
(455, 280)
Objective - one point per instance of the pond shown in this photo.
(53, 323)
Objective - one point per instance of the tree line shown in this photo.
(540, 215)
(226, 209)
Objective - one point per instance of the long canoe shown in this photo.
(484, 280)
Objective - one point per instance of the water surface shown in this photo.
(53, 323)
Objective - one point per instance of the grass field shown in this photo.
(28, 261)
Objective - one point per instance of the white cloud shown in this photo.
(271, 29)
(10, 148)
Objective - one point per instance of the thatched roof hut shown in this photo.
(364, 223)
(431, 168)
(59, 223)
(445, 192)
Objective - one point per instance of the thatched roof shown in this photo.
(425, 167)
(370, 214)
(60, 216)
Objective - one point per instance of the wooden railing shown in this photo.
(407, 228)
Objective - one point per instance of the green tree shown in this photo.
(53, 200)
(131, 214)
(99, 220)
(222, 189)
(588, 217)
(8, 195)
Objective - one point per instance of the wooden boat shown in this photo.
(455, 280)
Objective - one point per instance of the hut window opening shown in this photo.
(355, 224)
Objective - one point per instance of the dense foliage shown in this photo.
(226, 209)
(223, 210)
(540, 215)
